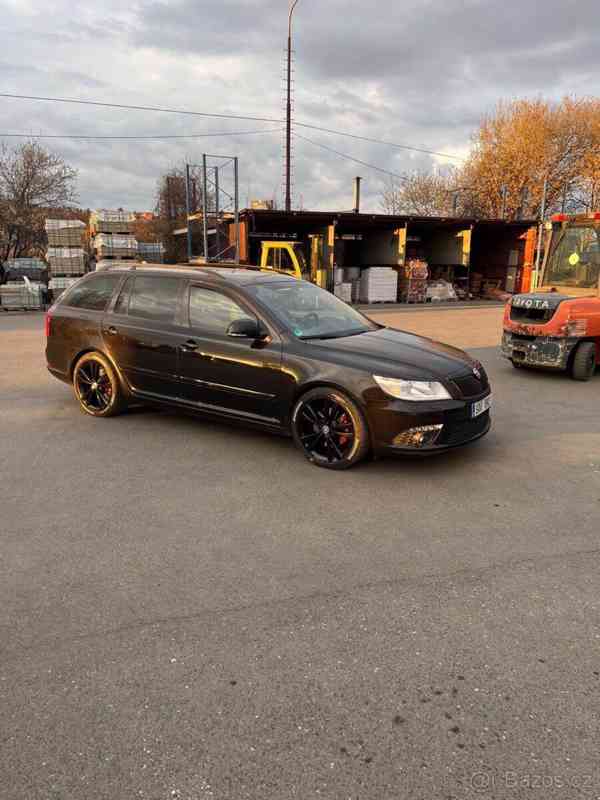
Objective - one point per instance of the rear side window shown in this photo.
(153, 298)
(93, 293)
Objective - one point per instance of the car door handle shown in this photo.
(189, 346)
(111, 330)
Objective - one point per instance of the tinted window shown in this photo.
(212, 311)
(154, 298)
(93, 293)
(122, 303)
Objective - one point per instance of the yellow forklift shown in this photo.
(289, 258)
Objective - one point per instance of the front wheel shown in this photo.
(97, 387)
(584, 361)
(330, 429)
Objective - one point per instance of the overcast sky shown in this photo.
(419, 72)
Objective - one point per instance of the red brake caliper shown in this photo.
(343, 420)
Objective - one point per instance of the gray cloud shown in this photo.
(419, 72)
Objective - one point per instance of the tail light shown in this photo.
(48, 324)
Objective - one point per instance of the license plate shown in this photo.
(481, 406)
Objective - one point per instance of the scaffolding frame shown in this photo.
(214, 177)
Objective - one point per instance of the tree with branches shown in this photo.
(525, 144)
(33, 183)
(424, 194)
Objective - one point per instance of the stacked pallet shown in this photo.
(32, 268)
(58, 285)
(111, 245)
(378, 285)
(65, 232)
(104, 221)
(413, 281)
(112, 234)
(343, 291)
(66, 260)
(65, 254)
(22, 293)
(151, 251)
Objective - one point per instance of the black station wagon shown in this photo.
(267, 350)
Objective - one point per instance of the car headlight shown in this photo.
(413, 390)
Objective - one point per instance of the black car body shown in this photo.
(231, 343)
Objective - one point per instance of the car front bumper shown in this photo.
(396, 425)
(538, 351)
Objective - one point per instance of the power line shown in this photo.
(165, 110)
(133, 137)
(137, 108)
(378, 141)
(351, 158)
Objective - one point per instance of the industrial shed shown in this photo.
(474, 255)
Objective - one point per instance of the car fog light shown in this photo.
(418, 437)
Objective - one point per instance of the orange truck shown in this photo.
(558, 325)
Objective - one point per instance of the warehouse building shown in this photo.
(475, 257)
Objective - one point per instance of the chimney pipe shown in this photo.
(357, 181)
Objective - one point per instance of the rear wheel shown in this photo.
(329, 428)
(97, 386)
(584, 361)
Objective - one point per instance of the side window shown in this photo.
(286, 261)
(271, 257)
(122, 303)
(212, 311)
(154, 298)
(93, 293)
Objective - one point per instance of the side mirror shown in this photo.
(245, 328)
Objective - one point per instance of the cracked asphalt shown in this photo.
(192, 611)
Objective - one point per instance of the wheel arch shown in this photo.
(85, 351)
(330, 384)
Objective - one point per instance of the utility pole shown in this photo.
(188, 212)
(288, 119)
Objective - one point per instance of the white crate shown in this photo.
(22, 294)
(351, 274)
(378, 285)
(344, 292)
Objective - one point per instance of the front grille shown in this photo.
(464, 430)
(470, 385)
(535, 316)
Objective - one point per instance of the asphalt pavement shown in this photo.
(193, 611)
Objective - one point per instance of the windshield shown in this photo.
(575, 261)
(310, 312)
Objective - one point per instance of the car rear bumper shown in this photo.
(538, 351)
(397, 426)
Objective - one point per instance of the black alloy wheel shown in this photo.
(330, 429)
(96, 386)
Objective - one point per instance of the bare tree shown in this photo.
(33, 181)
(425, 194)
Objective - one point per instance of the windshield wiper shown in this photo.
(337, 335)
